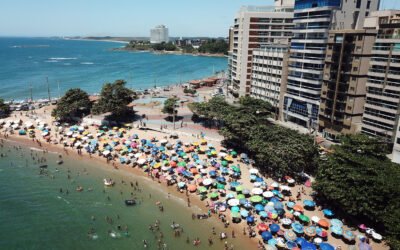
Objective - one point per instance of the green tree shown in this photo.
(214, 46)
(114, 98)
(4, 109)
(170, 106)
(74, 103)
(360, 180)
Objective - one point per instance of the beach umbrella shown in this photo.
(256, 199)
(308, 246)
(263, 214)
(348, 235)
(233, 153)
(300, 241)
(270, 247)
(259, 179)
(22, 132)
(321, 233)
(310, 231)
(207, 182)
(315, 219)
(257, 191)
(328, 212)
(274, 228)
(309, 203)
(290, 235)
(220, 186)
(202, 190)
(212, 173)
(247, 204)
(290, 204)
(266, 235)
(262, 227)
(235, 214)
(289, 215)
(191, 188)
(230, 196)
(286, 221)
(259, 207)
(234, 184)
(235, 209)
(233, 202)
(268, 194)
(275, 185)
(298, 228)
(336, 230)
(224, 163)
(304, 218)
(253, 171)
(240, 196)
(213, 195)
(272, 215)
(235, 169)
(221, 179)
(182, 164)
(326, 246)
(323, 223)
(272, 242)
(246, 191)
(336, 222)
(250, 219)
(298, 208)
(244, 213)
(238, 188)
(291, 245)
(278, 206)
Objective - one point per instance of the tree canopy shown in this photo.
(360, 180)
(73, 104)
(4, 109)
(214, 46)
(164, 46)
(277, 150)
(114, 98)
(169, 106)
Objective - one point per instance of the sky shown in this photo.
(123, 17)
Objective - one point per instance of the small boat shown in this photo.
(79, 189)
(109, 182)
(175, 226)
(60, 162)
(130, 202)
(43, 166)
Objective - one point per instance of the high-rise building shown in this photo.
(269, 73)
(254, 27)
(382, 105)
(313, 19)
(344, 81)
(159, 34)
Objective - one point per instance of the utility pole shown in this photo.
(48, 88)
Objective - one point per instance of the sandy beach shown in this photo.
(189, 133)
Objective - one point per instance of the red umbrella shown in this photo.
(191, 188)
(262, 227)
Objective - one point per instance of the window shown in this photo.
(358, 4)
(368, 5)
(367, 13)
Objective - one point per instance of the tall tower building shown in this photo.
(254, 27)
(159, 34)
(313, 20)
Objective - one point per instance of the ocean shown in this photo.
(26, 63)
(36, 212)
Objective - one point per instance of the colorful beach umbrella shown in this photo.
(310, 231)
(298, 228)
(256, 198)
(308, 246)
(286, 221)
(262, 227)
(266, 235)
(274, 228)
(309, 203)
(290, 235)
(304, 218)
(263, 214)
(268, 194)
(323, 223)
(348, 235)
(250, 219)
(328, 212)
(336, 222)
(336, 230)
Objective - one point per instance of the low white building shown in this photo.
(159, 34)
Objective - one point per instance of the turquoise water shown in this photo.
(147, 100)
(89, 64)
(34, 214)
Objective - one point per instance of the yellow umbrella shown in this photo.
(203, 142)
(115, 128)
(85, 132)
(195, 144)
(157, 165)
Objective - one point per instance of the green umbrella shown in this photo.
(224, 163)
(202, 190)
(233, 153)
(256, 198)
(213, 195)
(239, 188)
(304, 218)
(240, 196)
(235, 168)
(182, 164)
(235, 215)
(235, 209)
(220, 186)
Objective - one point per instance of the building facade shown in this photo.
(382, 105)
(253, 28)
(269, 73)
(313, 20)
(159, 34)
(344, 81)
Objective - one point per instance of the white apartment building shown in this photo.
(269, 73)
(159, 34)
(254, 27)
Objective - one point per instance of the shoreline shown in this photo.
(180, 198)
(170, 52)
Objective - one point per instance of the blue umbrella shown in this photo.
(326, 246)
(221, 179)
(290, 204)
(235, 209)
(291, 244)
(274, 200)
(337, 230)
(300, 241)
(274, 228)
(244, 213)
(263, 214)
(230, 196)
(247, 204)
(336, 222)
(328, 212)
(308, 246)
(278, 206)
(253, 177)
(259, 179)
(309, 203)
(242, 201)
(266, 235)
(250, 219)
(259, 207)
(212, 173)
(298, 228)
(272, 242)
(234, 184)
